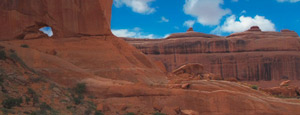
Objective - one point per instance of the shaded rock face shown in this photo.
(67, 18)
(247, 56)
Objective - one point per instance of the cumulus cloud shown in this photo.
(189, 23)
(138, 6)
(292, 1)
(244, 23)
(208, 12)
(134, 33)
(167, 35)
(164, 19)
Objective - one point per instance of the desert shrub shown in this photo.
(7, 111)
(130, 113)
(2, 55)
(27, 100)
(34, 95)
(158, 113)
(88, 112)
(254, 87)
(24, 46)
(12, 102)
(45, 109)
(80, 88)
(98, 112)
(78, 99)
(45, 106)
(1, 80)
(16, 58)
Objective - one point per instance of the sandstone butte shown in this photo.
(121, 79)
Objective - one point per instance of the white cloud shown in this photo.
(244, 23)
(208, 12)
(164, 19)
(189, 23)
(138, 6)
(134, 33)
(167, 35)
(244, 12)
(292, 1)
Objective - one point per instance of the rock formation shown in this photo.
(252, 55)
(82, 41)
(119, 79)
(68, 18)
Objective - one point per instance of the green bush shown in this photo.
(27, 100)
(45, 106)
(98, 112)
(130, 113)
(78, 99)
(24, 46)
(12, 102)
(80, 88)
(34, 95)
(158, 113)
(2, 55)
(254, 87)
(1, 80)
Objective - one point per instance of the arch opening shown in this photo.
(47, 30)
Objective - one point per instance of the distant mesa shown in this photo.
(255, 29)
(286, 30)
(190, 29)
(191, 33)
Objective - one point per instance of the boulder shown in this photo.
(189, 112)
(185, 86)
(283, 92)
(192, 69)
(285, 83)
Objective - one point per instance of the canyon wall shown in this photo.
(252, 55)
(68, 18)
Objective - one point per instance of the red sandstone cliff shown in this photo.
(249, 56)
(68, 18)
(82, 45)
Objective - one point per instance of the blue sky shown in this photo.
(158, 18)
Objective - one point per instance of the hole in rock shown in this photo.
(47, 30)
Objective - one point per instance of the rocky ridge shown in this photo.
(252, 55)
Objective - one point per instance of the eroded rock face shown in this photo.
(194, 69)
(68, 18)
(247, 56)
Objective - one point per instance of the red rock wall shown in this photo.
(247, 56)
(66, 17)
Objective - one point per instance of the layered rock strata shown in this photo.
(252, 55)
